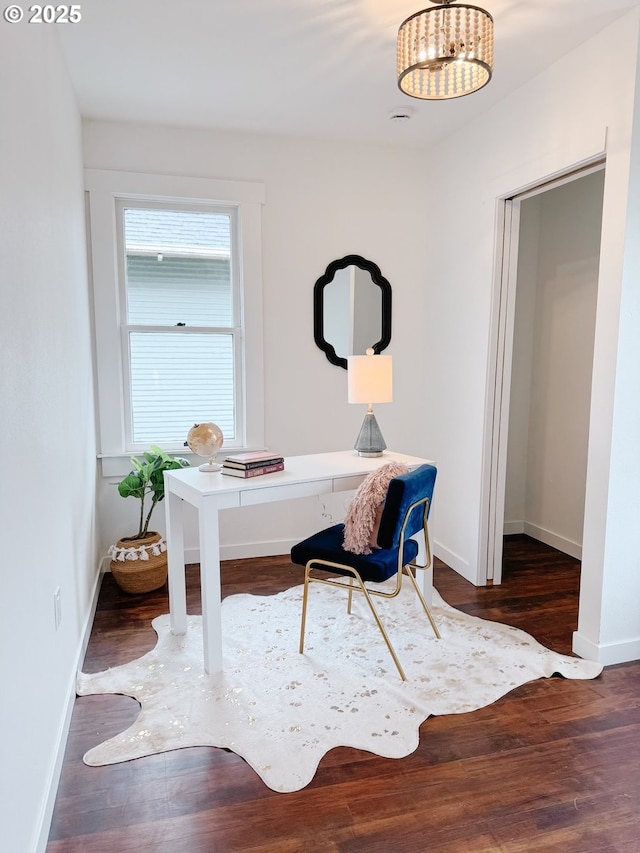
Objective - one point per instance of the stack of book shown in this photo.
(252, 464)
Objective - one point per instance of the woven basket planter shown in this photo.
(139, 565)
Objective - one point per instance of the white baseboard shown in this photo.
(42, 836)
(453, 560)
(573, 549)
(277, 547)
(608, 654)
(561, 543)
(245, 550)
(231, 552)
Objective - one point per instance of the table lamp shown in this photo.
(369, 380)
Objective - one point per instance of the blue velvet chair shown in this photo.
(405, 513)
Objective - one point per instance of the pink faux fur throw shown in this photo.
(363, 516)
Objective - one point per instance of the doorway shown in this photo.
(546, 323)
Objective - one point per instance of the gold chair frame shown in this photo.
(408, 568)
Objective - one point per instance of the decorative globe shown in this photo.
(206, 440)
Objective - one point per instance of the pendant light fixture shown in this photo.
(445, 51)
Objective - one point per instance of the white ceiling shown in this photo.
(322, 69)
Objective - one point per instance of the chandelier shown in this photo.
(445, 51)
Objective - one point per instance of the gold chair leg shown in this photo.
(308, 579)
(350, 596)
(407, 569)
(382, 630)
(304, 608)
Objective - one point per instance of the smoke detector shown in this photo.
(400, 114)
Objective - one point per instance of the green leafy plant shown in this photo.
(147, 479)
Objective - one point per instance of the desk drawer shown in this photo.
(291, 491)
(348, 484)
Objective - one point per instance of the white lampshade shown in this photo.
(369, 379)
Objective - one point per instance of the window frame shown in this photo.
(106, 192)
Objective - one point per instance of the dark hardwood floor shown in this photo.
(553, 766)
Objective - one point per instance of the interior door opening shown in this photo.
(543, 363)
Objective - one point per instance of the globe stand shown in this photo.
(210, 466)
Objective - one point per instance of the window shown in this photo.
(178, 310)
(181, 321)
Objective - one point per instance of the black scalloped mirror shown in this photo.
(351, 309)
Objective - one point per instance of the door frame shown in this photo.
(498, 396)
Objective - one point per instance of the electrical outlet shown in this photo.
(57, 608)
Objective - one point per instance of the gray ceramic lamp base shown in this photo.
(370, 441)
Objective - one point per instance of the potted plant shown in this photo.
(139, 562)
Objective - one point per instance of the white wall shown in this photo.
(323, 201)
(553, 355)
(608, 623)
(515, 499)
(569, 114)
(47, 452)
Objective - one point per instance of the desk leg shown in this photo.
(210, 588)
(175, 559)
(424, 577)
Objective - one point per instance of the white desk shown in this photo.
(304, 476)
